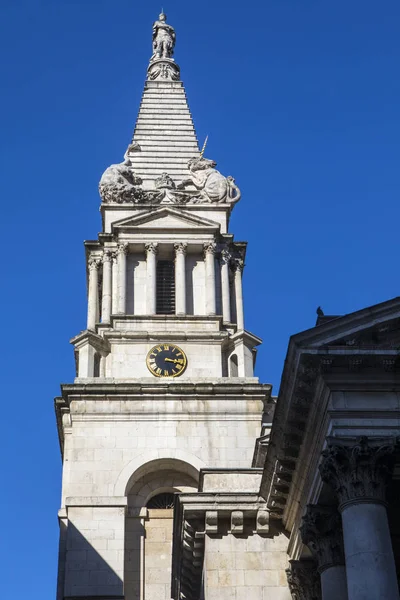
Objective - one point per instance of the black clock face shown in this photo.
(166, 360)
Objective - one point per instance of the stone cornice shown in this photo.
(247, 337)
(200, 514)
(307, 371)
(92, 338)
(117, 389)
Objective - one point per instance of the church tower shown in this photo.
(164, 381)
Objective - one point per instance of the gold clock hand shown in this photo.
(171, 360)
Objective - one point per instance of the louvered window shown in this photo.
(165, 287)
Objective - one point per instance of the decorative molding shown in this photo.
(358, 472)
(237, 521)
(304, 580)
(321, 531)
(211, 521)
(262, 521)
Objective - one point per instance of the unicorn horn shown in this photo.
(204, 147)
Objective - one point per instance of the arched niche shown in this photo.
(149, 526)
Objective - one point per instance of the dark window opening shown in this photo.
(165, 287)
(163, 500)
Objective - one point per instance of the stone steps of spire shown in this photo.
(165, 133)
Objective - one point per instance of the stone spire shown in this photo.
(164, 128)
(163, 163)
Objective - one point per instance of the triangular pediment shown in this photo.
(166, 218)
(377, 326)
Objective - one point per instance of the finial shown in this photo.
(204, 147)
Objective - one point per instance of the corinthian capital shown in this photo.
(238, 264)
(358, 472)
(303, 579)
(321, 531)
(151, 248)
(123, 248)
(210, 248)
(94, 263)
(180, 248)
(107, 256)
(226, 256)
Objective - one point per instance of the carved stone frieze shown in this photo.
(163, 68)
(304, 580)
(358, 472)
(321, 531)
(212, 186)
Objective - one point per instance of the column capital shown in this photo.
(358, 472)
(304, 580)
(226, 256)
(123, 248)
(94, 263)
(180, 248)
(107, 256)
(151, 248)
(321, 531)
(238, 264)
(210, 248)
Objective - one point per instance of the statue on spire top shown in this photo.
(163, 38)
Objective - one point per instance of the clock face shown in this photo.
(166, 360)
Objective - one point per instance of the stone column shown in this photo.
(151, 258)
(225, 287)
(321, 531)
(114, 284)
(303, 580)
(238, 268)
(122, 252)
(180, 278)
(93, 295)
(209, 258)
(107, 286)
(359, 473)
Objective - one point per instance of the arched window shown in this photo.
(163, 500)
(233, 365)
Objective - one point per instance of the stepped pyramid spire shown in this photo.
(164, 128)
(163, 163)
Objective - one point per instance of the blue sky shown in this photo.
(300, 101)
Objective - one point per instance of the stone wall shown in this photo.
(246, 568)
